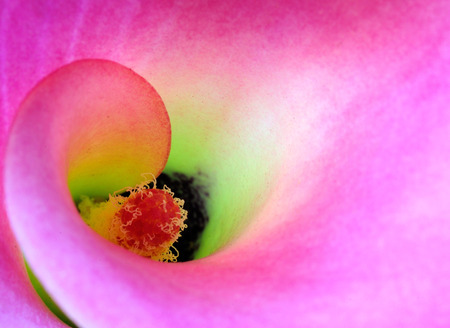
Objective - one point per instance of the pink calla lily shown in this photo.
(323, 128)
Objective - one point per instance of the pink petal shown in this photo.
(345, 106)
(20, 305)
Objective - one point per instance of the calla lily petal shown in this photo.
(20, 305)
(330, 121)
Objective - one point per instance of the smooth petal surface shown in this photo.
(20, 305)
(324, 129)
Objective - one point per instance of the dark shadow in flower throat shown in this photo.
(194, 196)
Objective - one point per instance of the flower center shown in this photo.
(147, 222)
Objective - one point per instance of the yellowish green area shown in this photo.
(98, 182)
(236, 161)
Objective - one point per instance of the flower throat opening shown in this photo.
(143, 219)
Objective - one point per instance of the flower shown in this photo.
(323, 130)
